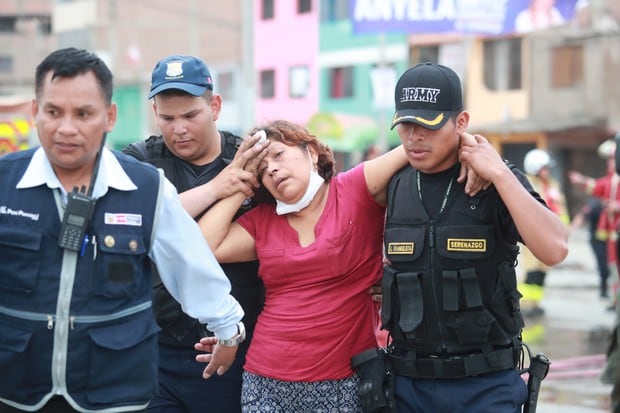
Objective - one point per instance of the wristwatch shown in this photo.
(234, 340)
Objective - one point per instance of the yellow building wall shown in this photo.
(488, 107)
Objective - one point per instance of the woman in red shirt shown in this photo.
(319, 247)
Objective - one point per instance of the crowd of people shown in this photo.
(126, 272)
(606, 191)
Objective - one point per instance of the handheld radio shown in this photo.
(79, 211)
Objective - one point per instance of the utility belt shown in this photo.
(452, 367)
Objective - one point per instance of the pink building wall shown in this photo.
(289, 39)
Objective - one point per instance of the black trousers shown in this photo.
(600, 253)
(57, 404)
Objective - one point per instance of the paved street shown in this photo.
(573, 334)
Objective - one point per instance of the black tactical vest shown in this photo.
(177, 327)
(451, 286)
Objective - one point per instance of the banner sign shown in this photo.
(490, 17)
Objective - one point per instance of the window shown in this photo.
(332, 10)
(6, 64)
(383, 80)
(299, 81)
(502, 64)
(268, 12)
(225, 85)
(7, 24)
(45, 24)
(566, 66)
(26, 24)
(304, 6)
(340, 82)
(267, 83)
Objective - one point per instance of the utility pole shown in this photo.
(112, 37)
(248, 83)
(194, 33)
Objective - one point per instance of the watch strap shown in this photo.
(234, 340)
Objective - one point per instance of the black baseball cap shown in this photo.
(186, 73)
(427, 94)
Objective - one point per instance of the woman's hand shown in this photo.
(252, 151)
(218, 357)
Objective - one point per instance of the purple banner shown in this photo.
(491, 17)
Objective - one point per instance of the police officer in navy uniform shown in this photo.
(79, 227)
(450, 301)
(199, 161)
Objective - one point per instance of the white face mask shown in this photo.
(314, 184)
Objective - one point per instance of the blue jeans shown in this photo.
(502, 392)
(57, 404)
(183, 390)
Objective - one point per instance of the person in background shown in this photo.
(611, 371)
(450, 299)
(199, 161)
(537, 164)
(540, 14)
(590, 214)
(607, 189)
(77, 327)
(318, 241)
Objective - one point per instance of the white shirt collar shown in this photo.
(111, 174)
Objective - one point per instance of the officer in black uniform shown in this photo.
(450, 301)
(198, 159)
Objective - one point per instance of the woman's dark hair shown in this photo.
(71, 62)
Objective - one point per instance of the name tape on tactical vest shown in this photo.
(401, 248)
(467, 245)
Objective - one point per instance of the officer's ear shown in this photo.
(461, 121)
(215, 104)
